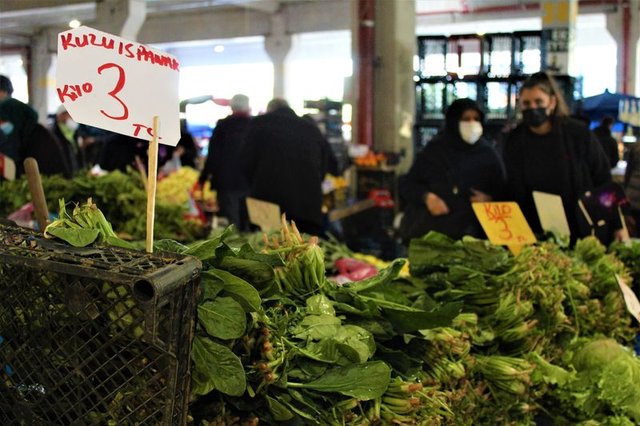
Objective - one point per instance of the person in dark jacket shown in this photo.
(223, 167)
(552, 153)
(608, 143)
(25, 137)
(455, 169)
(64, 128)
(632, 186)
(285, 160)
(119, 152)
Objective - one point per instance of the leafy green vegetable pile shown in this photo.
(84, 226)
(121, 197)
(474, 336)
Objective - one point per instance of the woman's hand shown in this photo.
(479, 196)
(435, 204)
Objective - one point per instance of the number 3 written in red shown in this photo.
(114, 92)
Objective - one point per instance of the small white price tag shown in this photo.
(263, 213)
(630, 298)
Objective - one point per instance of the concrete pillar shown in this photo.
(277, 45)
(394, 88)
(558, 32)
(38, 66)
(624, 27)
(123, 18)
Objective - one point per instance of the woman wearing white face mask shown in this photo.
(456, 168)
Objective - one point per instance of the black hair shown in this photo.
(5, 85)
(607, 120)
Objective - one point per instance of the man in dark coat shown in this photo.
(608, 143)
(285, 160)
(64, 128)
(223, 167)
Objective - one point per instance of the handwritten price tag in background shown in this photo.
(263, 213)
(504, 223)
(115, 84)
(630, 298)
(7, 167)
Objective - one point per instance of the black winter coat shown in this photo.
(223, 166)
(450, 168)
(48, 151)
(285, 160)
(582, 156)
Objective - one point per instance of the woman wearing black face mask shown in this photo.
(456, 168)
(550, 152)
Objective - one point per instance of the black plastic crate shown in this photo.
(93, 335)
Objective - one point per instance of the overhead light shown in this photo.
(218, 48)
(74, 23)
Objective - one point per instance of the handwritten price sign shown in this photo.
(108, 82)
(504, 223)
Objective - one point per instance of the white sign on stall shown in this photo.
(551, 213)
(7, 167)
(119, 85)
(630, 298)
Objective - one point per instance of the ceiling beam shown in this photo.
(7, 6)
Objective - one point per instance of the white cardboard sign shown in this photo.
(551, 213)
(119, 85)
(263, 213)
(630, 299)
(7, 167)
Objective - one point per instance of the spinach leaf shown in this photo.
(77, 237)
(205, 250)
(399, 360)
(271, 259)
(211, 286)
(278, 410)
(243, 292)
(325, 350)
(319, 305)
(317, 327)
(223, 318)
(363, 381)
(405, 321)
(360, 342)
(387, 275)
(216, 367)
(169, 245)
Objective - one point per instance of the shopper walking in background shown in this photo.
(6, 87)
(223, 167)
(64, 128)
(632, 187)
(607, 141)
(455, 169)
(552, 153)
(25, 137)
(285, 160)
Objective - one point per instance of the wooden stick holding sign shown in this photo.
(152, 176)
